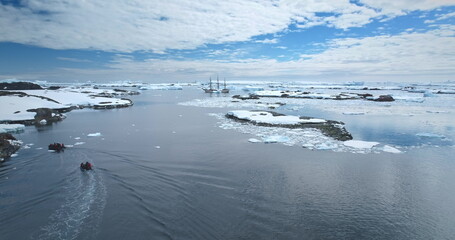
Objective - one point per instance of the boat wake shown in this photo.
(81, 210)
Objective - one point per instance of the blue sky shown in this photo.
(272, 40)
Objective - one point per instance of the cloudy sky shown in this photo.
(180, 40)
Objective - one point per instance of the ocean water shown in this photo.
(167, 171)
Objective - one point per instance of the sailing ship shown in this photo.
(210, 89)
(225, 90)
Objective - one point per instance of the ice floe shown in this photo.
(11, 128)
(430, 135)
(309, 138)
(97, 134)
(254, 140)
(275, 139)
(360, 144)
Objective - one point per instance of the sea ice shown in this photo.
(275, 139)
(360, 144)
(430, 135)
(353, 113)
(79, 143)
(94, 134)
(390, 149)
(254, 140)
(11, 128)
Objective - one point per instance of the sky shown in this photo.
(271, 40)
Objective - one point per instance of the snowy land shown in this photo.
(353, 99)
(15, 106)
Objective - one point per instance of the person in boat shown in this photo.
(56, 147)
(86, 166)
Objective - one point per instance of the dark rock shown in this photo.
(8, 145)
(46, 114)
(54, 87)
(19, 86)
(251, 96)
(384, 98)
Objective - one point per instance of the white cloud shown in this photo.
(268, 41)
(131, 25)
(409, 56)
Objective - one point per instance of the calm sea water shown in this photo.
(164, 171)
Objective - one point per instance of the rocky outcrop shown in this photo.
(383, 98)
(46, 116)
(19, 86)
(245, 97)
(333, 129)
(8, 145)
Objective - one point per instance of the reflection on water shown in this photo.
(204, 182)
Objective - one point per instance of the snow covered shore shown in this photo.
(17, 105)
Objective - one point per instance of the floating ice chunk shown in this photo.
(94, 134)
(428, 93)
(69, 146)
(308, 145)
(43, 122)
(39, 148)
(77, 138)
(276, 139)
(326, 146)
(390, 149)
(79, 143)
(26, 147)
(430, 135)
(254, 140)
(11, 128)
(360, 144)
(157, 147)
(353, 113)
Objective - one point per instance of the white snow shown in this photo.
(360, 144)
(43, 122)
(14, 107)
(11, 128)
(94, 134)
(254, 140)
(267, 117)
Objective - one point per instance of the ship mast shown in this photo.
(217, 82)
